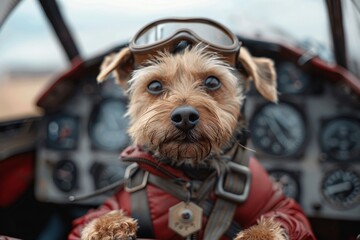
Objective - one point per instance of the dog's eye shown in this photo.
(212, 83)
(155, 87)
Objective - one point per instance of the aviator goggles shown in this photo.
(166, 34)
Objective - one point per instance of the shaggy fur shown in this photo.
(114, 225)
(266, 229)
(182, 77)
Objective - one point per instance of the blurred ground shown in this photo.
(18, 94)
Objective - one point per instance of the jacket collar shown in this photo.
(147, 162)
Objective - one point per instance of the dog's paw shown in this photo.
(111, 226)
(266, 229)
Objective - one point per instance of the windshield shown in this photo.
(30, 51)
(27, 41)
(116, 21)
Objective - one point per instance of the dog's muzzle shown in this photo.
(185, 117)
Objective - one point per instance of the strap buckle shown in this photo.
(130, 183)
(234, 168)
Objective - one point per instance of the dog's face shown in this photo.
(186, 107)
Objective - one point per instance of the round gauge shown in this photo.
(104, 175)
(340, 139)
(108, 125)
(291, 79)
(62, 132)
(287, 181)
(65, 175)
(341, 188)
(278, 129)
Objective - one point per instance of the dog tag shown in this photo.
(185, 218)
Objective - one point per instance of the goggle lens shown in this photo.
(204, 32)
(165, 34)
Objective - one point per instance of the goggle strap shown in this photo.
(181, 46)
(121, 57)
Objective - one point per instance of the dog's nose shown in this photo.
(185, 117)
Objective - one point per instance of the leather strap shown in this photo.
(224, 209)
(200, 197)
(234, 227)
(140, 207)
(235, 182)
(220, 219)
(199, 193)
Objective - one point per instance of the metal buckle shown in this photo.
(238, 169)
(129, 172)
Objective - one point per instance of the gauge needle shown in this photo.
(275, 128)
(337, 188)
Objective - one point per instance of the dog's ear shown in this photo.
(119, 63)
(262, 72)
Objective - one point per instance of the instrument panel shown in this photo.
(341, 188)
(288, 181)
(62, 132)
(309, 141)
(291, 79)
(79, 143)
(278, 129)
(106, 121)
(340, 139)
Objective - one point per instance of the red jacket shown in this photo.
(265, 199)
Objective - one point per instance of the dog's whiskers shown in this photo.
(245, 147)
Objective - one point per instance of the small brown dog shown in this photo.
(185, 110)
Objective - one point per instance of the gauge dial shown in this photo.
(340, 139)
(341, 188)
(65, 175)
(108, 125)
(62, 132)
(287, 181)
(278, 129)
(291, 79)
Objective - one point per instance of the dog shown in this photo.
(185, 112)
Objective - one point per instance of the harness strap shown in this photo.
(220, 219)
(234, 227)
(139, 203)
(199, 198)
(232, 190)
(201, 191)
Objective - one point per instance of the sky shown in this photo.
(27, 42)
